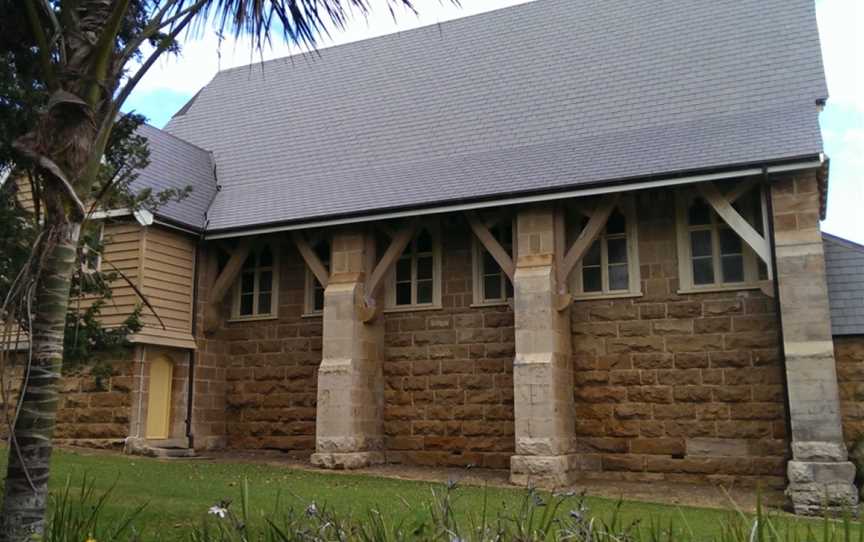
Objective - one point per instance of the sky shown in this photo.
(174, 80)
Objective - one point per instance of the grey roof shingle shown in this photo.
(542, 96)
(844, 262)
(175, 163)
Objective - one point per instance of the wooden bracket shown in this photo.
(595, 225)
(397, 246)
(740, 189)
(223, 283)
(367, 312)
(562, 301)
(491, 244)
(739, 225)
(312, 260)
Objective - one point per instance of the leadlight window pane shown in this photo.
(616, 224)
(699, 213)
(700, 243)
(492, 287)
(246, 304)
(733, 268)
(318, 297)
(264, 303)
(424, 268)
(617, 250)
(247, 283)
(403, 269)
(730, 243)
(403, 293)
(266, 259)
(619, 278)
(763, 270)
(424, 291)
(424, 242)
(322, 250)
(592, 257)
(489, 263)
(265, 281)
(592, 280)
(703, 270)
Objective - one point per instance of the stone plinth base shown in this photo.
(544, 471)
(347, 460)
(816, 487)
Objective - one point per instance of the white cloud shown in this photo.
(203, 56)
(840, 24)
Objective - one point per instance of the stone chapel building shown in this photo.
(571, 239)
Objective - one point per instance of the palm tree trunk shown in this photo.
(26, 491)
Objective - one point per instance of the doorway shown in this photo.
(159, 399)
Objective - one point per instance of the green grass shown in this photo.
(178, 494)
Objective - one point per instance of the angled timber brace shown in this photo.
(399, 241)
(223, 283)
(722, 204)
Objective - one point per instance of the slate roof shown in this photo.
(544, 96)
(844, 261)
(175, 163)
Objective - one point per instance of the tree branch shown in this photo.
(41, 43)
(157, 24)
(103, 49)
(46, 163)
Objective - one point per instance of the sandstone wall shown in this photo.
(90, 413)
(683, 387)
(849, 353)
(270, 370)
(449, 372)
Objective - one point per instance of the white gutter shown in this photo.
(578, 193)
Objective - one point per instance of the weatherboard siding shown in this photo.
(167, 278)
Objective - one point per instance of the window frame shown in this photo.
(390, 305)
(626, 206)
(478, 252)
(684, 197)
(311, 280)
(274, 288)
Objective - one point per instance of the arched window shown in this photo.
(314, 289)
(256, 289)
(416, 277)
(491, 283)
(711, 254)
(610, 266)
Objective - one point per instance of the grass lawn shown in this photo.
(179, 493)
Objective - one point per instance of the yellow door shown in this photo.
(159, 401)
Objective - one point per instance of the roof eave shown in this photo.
(621, 185)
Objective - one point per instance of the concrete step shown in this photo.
(157, 451)
(166, 449)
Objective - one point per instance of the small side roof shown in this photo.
(175, 163)
(844, 262)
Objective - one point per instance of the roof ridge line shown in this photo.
(301, 54)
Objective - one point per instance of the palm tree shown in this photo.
(87, 56)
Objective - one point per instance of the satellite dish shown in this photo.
(144, 217)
